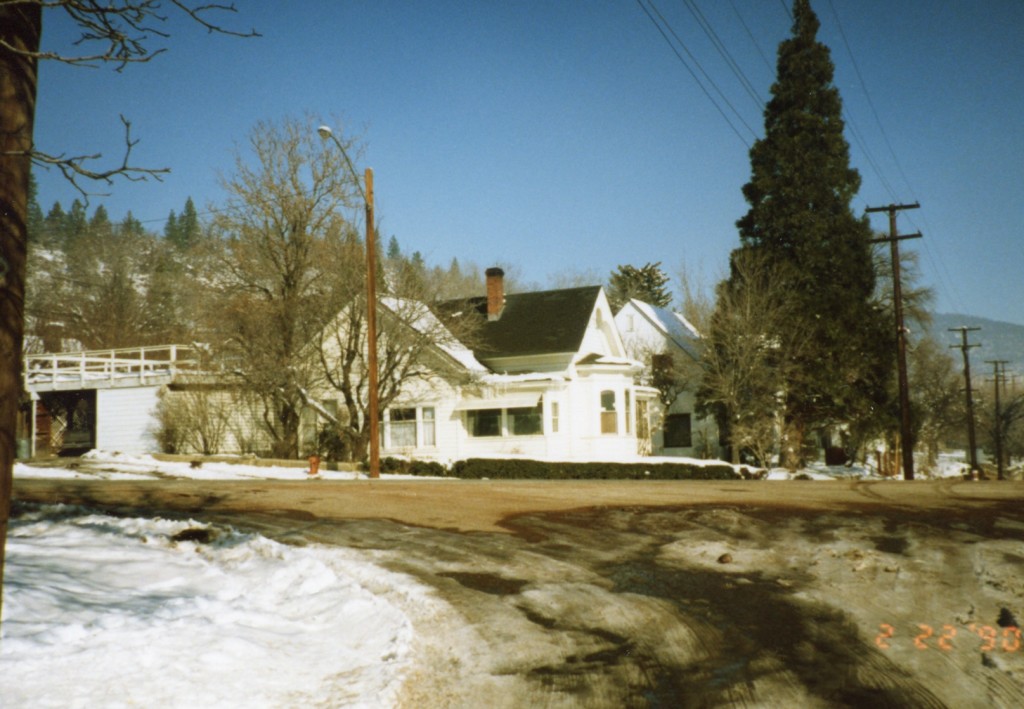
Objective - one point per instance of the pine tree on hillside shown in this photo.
(182, 230)
(188, 225)
(394, 250)
(799, 194)
(34, 216)
(100, 224)
(172, 232)
(54, 224)
(77, 222)
(132, 226)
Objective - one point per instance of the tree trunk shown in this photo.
(20, 27)
(287, 446)
(792, 452)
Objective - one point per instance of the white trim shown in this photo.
(512, 401)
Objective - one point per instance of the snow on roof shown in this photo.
(418, 316)
(671, 324)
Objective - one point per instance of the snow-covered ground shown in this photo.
(119, 466)
(115, 612)
(949, 465)
(109, 612)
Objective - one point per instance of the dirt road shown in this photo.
(681, 594)
(486, 506)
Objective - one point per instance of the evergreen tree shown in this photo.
(799, 194)
(646, 283)
(172, 232)
(188, 226)
(55, 225)
(131, 226)
(394, 250)
(34, 221)
(77, 222)
(100, 224)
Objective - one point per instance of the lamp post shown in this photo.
(371, 302)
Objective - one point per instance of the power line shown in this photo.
(871, 103)
(753, 40)
(682, 60)
(938, 266)
(724, 52)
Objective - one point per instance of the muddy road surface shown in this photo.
(662, 594)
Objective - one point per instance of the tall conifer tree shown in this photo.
(800, 217)
(188, 225)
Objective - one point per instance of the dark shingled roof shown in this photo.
(543, 322)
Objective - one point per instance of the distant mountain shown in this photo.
(997, 340)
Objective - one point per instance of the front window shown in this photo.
(403, 428)
(677, 431)
(429, 431)
(609, 414)
(528, 421)
(484, 422)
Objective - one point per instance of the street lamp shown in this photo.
(371, 302)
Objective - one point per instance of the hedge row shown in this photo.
(400, 466)
(518, 469)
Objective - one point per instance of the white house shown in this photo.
(546, 376)
(664, 340)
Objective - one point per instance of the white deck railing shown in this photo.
(96, 366)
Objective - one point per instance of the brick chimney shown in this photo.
(495, 292)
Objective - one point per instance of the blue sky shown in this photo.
(564, 136)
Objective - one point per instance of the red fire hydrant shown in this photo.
(314, 464)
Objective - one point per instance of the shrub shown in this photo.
(400, 466)
(513, 469)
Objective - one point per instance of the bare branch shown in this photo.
(196, 14)
(124, 26)
(73, 168)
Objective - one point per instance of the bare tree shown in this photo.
(275, 284)
(696, 297)
(573, 278)
(1005, 426)
(418, 346)
(937, 403)
(121, 33)
(745, 368)
(193, 417)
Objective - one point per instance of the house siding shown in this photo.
(643, 339)
(125, 419)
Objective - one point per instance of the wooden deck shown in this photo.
(97, 369)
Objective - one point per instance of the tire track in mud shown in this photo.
(627, 628)
(761, 643)
(595, 608)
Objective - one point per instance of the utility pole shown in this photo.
(373, 395)
(971, 439)
(373, 407)
(906, 439)
(997, 380)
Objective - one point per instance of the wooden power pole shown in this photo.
(971, 438)
(999, 373)
(906, 438)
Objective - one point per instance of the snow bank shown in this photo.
(103, 465)
(102, 611)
